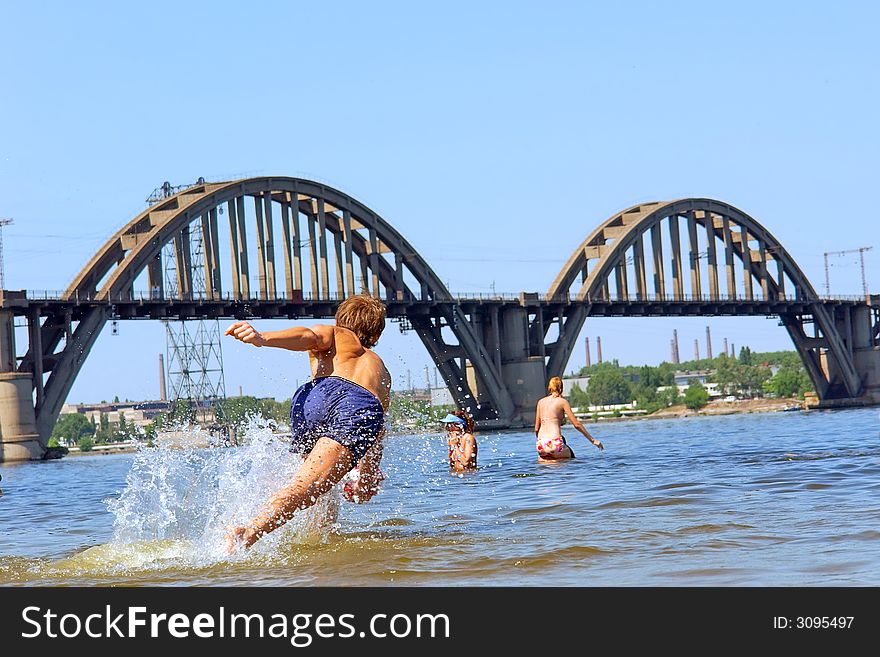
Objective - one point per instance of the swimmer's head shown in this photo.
(459, 420)
(555, 386)
(364, 316)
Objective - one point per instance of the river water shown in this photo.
(772, 499)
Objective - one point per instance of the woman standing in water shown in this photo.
(460, 441)
(548, 425)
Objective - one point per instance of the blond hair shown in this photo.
(555, 386)
(364, 316)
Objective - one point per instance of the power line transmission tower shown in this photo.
(194, 351)
(861, 252)
(3, 222)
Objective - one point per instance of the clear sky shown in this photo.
(494, 136)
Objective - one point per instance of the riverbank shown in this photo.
(714, 408)
(102, 450)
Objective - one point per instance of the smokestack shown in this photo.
(675, 358)
(162, 395)
(587, 347)
(599, 349)
(671, 350)
(732, 350)
(708, 344)
(725, 346)
(696, 349)
(241, 391)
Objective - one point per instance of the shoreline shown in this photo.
(716, 408)
(713, 408)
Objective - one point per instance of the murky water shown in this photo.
(769, 499)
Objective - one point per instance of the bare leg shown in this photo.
(326, 464)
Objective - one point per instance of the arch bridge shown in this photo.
(311, 246)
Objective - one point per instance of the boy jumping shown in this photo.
(337, 419)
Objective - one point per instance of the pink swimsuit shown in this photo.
(550, 447)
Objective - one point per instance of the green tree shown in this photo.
(86, 444)
(103, 434)
(788, 382)
(751, 379)
(238, 410)
(122, 430)
(577, 397)
(745, 356)
(607, 386)
(669, 396)
(696, 396)
(72, 427)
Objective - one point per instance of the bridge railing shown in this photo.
(692, 298)
(301, 296)
(652, 298)
(146, 296)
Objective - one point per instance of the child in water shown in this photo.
(337, 420)
(460, 441)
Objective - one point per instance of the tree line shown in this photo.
(748, 376)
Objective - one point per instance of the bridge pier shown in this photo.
(866, 350)
(858, 329)
(523, 372)
(19, 440)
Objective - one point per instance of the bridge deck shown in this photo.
(228, 308)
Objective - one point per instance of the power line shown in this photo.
(861, 252)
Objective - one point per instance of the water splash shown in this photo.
(179, 502)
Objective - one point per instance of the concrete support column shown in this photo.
(7, 341)
(866, 357)
(19, 440)
(524, 375)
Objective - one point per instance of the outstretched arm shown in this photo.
(577, 425)
(295, 338)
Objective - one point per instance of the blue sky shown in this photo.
(493, 136)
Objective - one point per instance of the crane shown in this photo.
(861, 252)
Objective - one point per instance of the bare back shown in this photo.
(550, 411)
(348, 359)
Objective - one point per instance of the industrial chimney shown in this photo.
(162, 395)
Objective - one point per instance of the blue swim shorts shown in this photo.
(335, 408)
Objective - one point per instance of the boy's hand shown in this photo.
(598, 444)
(236, 537)
(246, 333)
(363, 488)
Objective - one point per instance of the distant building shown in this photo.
(712, 388)
(570, 382)
(441, 397)
(139, 413)
(686, 378)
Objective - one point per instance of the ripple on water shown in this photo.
(711, 529)
(650, 502)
